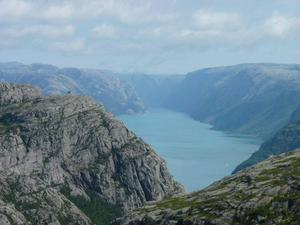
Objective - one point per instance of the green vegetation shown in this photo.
(46, 160)
(99, 211)
(5, 128)
(23, 206)
(286, 215)
(194, 207)
(227, 195)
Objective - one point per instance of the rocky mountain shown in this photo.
(65, 161)
(285, 140)
(268, 193)
(118, 96)
(255, 99)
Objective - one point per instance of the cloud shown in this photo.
(281, 25)
(214, 29)
(208, 28)
(215, 20)
(74, 46)
(198, 34)
(14, 9)
(133, 29)
(132, 12)
(124, 11)
(104, 31)
(58, 12)
(36, 31)
(20, 10)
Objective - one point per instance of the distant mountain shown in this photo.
(285, 140)
(267, 193)
(255, 99)
(119, 93)
(252, 99)
(153, 90)
(65, 161)
(118, 96)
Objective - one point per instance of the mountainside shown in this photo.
(255, 99)
(118, 96)
(153, 90)
(268, 193)
(285, 140)
(64, 160)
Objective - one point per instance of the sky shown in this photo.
(149, 36)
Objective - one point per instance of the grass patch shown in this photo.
(99, 211)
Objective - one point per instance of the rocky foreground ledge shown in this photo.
(65, 161)
(268, 193)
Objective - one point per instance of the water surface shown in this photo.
(196, 155)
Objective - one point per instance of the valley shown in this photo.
(149, 112)
(196, 154)
(204, 126)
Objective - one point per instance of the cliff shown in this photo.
(65, 160)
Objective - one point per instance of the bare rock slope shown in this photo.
(268, 193)
(64, 160)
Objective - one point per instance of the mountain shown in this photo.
(118, 96)
(153, 90)
(64, 160)
(285, 140)
(252, 99)
(267, 193)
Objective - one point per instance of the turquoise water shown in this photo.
(196, 155)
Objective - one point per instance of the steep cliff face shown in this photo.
(268, 193)
(285, 140)
(64, 160)
(255, 99)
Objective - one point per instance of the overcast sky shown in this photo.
(152, 36)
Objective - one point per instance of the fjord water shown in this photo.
(196, 155)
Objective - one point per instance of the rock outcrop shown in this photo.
(268, 193)
(17, 93)
(64, 160)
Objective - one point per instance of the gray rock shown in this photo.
(65, 160)
(17, 93)
(268, 193)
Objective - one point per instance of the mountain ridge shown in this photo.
(251, 99)
(117, 96)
